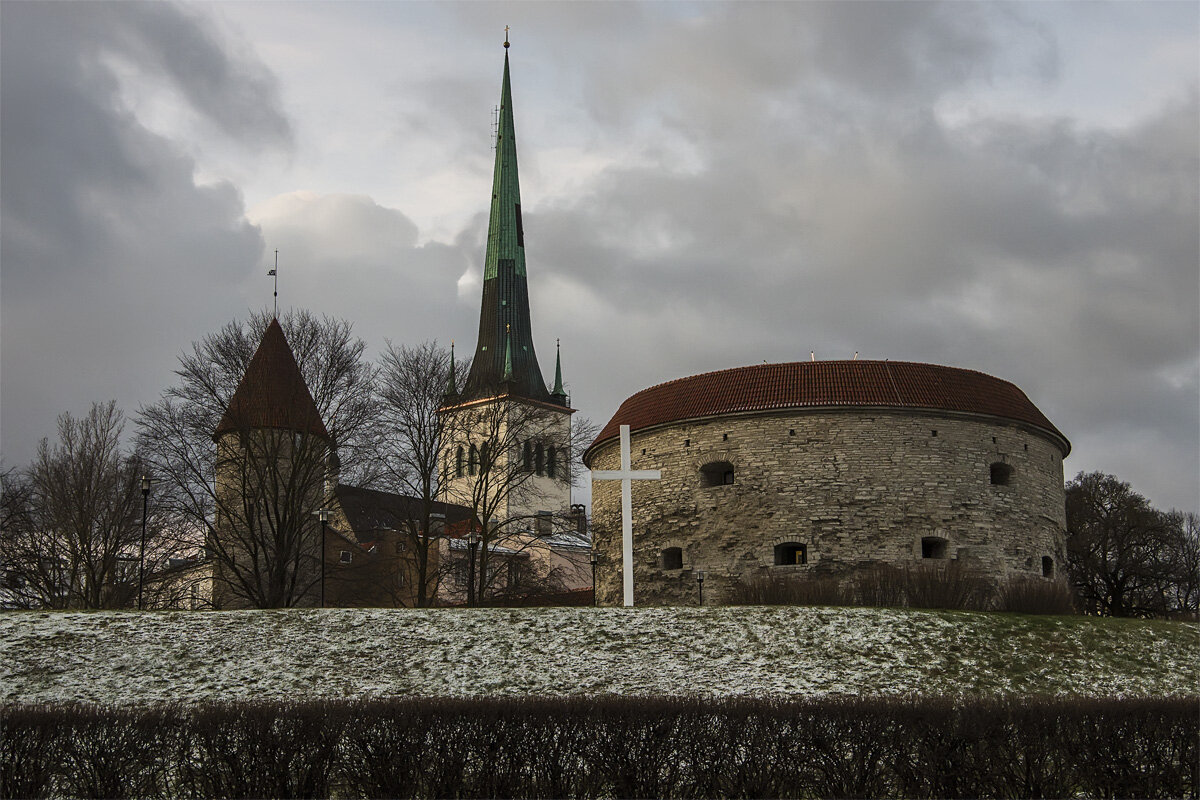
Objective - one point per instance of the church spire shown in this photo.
(558, 392)
(504, 352)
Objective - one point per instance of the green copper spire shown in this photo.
(504, 352)
(558, 390)
(506, 237)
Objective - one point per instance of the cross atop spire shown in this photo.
(505, 37)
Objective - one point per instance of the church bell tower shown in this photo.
(508, 435)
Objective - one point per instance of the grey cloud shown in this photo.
(113, 257)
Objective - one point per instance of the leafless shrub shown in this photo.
(786, 590)
(1030, 595)
(590, 747)
(947, 584)
(880, 585)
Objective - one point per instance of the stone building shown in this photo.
(824, 467)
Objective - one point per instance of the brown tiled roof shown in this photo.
(272, 393)
(826, 384)
(373, 510)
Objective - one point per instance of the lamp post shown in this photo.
(324, 515)
(595, 600)
(700, 584)
(142, 551)
(472, 543)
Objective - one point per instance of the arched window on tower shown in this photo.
(716, 473)
(473, 460)
(528, 455)
(551, 465)
(791, 553)
(484, 464)
(458, 462)
(539, 458)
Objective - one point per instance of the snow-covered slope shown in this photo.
(121, 657)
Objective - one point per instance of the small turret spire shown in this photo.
(558, 392)
(451, 380)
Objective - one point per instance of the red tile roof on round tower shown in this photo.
(272, 393)
(827, 384)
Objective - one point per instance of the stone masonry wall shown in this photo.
(854, 486)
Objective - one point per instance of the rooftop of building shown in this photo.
(827, 385)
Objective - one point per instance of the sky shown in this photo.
(1005, 187)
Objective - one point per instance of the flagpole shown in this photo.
(274, 273)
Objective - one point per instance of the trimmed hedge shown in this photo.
(607, 747)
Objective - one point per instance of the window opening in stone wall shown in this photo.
(346, 557)
(687, 442)
(716, 473)
(539, 458)
(529, 455)
(791, 431)
(724, 437)
(933, 547)
(1000, 473)
(1047, 567)
(933, 434)
(791, 553)
(551, 465)
(472, 460)
(484, 463)
(672, 558)
(458, 462)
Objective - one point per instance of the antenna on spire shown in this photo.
(274, 273)
(506, 37)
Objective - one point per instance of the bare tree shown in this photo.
(72, 525)
(1116, 544)
(412, 384)
(1178, 567)
(264, 495)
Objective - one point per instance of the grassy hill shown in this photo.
(126, 658)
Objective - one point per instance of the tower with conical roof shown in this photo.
(272, 466)
(510, 432)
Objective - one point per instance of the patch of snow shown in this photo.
(131, 658)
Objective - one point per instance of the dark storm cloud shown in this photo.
(828, 207)
(112, 256)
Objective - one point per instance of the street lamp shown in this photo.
(700, 584)
(142, 552)
(472, 543)
(595, 600)
(324, 515)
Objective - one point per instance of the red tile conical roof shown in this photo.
(272, 393)
(827, 384)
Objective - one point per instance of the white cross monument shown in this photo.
(626, 476)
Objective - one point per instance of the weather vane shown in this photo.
(274, 273)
